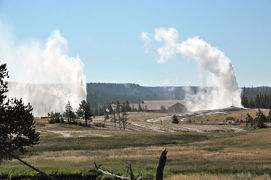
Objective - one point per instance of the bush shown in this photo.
(175, 120)
(55, 118)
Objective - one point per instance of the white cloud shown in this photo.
(147, 40)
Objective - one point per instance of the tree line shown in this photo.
(258, 101)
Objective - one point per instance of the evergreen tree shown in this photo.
(85, 110)
(69, 112)
(260, 119)
(17, 125)
(249, 120)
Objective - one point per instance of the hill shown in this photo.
(100, 94)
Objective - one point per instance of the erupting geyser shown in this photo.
(225, 91)
(43, 74)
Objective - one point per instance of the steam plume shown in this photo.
(225, 92)
(42, 73)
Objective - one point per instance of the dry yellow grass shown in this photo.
(143, 116)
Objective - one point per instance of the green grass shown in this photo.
(120, 140)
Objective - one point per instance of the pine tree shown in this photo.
(249, 119)
(260, 119)
(17, 125)
(69, 112)
(85, 111)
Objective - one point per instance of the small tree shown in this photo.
(249, 120)
(54, 118)
(84, 109)
(124, 118)
(175, 120)
(260, 119)
(69, 112)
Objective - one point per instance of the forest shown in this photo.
(102, 94)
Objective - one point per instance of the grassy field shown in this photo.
(191, 155)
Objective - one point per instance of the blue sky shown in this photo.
(106, 35)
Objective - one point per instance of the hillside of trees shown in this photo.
(258, 97)
(102, 94)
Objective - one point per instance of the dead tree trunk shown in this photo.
(161, 165)
(32, 167)
(132, 176)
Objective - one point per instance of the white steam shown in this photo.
(42, 73)
(225, 92)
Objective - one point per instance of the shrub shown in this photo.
(55, 118)
(175, 120)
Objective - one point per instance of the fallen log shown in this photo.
(98, 167)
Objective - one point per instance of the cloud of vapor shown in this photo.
(147, 40)
(225, 92)
(42, 73)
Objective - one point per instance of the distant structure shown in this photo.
(174, 106)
